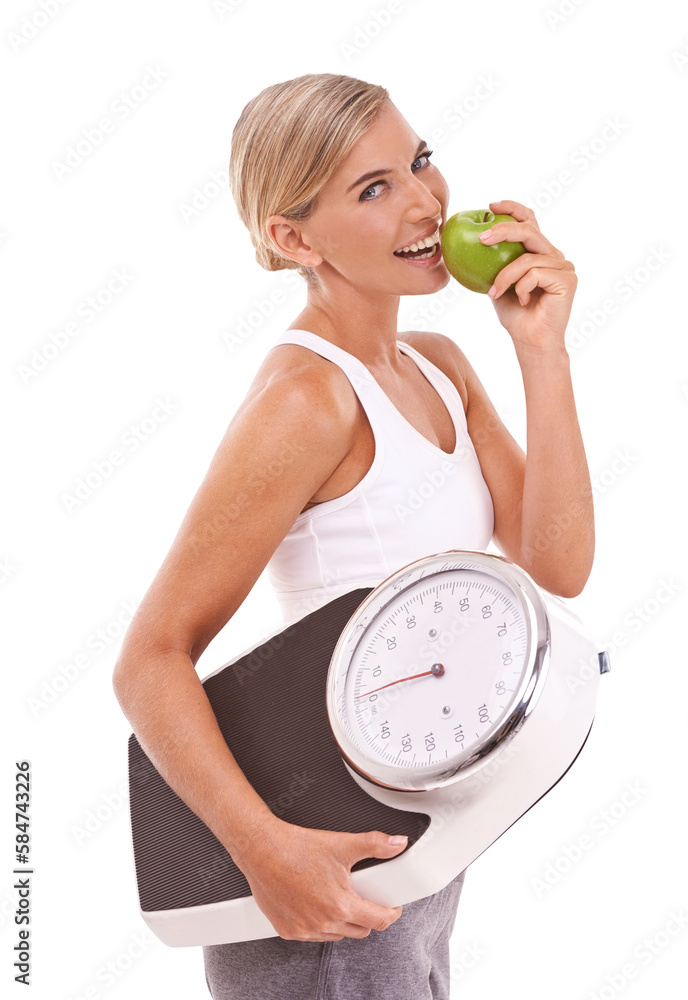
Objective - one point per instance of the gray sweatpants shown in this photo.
(407, 961)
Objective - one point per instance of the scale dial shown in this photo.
(437, 668)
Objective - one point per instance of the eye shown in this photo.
(371, 188)
(423, 156)
(364, 196)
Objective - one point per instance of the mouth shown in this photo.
(422, 249)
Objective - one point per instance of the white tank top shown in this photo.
(414, 500)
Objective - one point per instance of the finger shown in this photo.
(355, 930)
(372, 844)
(514, 271)
(524, 232)
(553, 280)
(364, 913)
(520, 212)
(345, 930)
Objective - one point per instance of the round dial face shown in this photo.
(434, 670)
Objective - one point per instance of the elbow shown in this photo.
(126, 676)
(569, 588)
(562, 578)
(563, 573)
(120, 682)
(567, 582)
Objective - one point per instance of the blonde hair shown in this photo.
(287, 143)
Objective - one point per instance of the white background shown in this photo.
(150, 200)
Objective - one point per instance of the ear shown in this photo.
(289, 239)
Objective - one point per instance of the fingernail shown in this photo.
(396, 841)
(485, 235)
(492, 292)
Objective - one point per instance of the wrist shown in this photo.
(550, 356)
(251, 830)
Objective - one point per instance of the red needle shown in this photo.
(436, 670)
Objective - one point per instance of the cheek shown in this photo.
(342, 239)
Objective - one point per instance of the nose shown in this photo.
(422, 203)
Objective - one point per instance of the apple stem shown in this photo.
(487, 215)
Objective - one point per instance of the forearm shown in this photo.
(164, 700)
(557, 517)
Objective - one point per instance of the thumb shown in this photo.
(374, 844)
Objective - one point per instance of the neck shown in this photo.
(361, 322)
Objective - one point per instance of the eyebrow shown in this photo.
(378, 173)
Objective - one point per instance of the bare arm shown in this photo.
(282, 444)
(543, 500)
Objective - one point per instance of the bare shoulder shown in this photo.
(295, 370)
(442, 352)
(299, 365)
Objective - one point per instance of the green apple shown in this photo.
(473, 264)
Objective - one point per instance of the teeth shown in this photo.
(429, 241)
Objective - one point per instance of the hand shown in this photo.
(301, 880)
(536, 310)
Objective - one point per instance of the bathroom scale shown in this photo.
(441, 704)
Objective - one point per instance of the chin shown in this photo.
(434, 281)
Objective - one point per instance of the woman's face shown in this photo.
(384, 196)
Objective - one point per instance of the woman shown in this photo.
(313, 480)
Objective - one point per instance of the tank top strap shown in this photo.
(358, 374)
(443, 385)
(384, 416)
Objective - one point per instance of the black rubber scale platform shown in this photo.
(270, 706)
